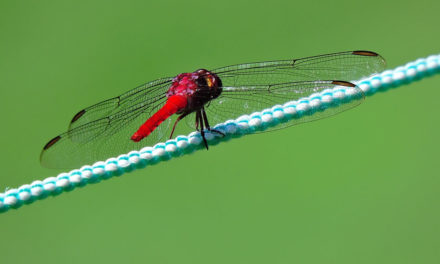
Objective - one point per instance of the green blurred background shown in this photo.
(361, 187)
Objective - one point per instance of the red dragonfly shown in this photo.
(146, 114)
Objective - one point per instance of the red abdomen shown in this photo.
(173, 105)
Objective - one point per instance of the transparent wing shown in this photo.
(348, 66)
(106, 136)
(144, 94)
(236, 101)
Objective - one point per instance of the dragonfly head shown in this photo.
(208, 83)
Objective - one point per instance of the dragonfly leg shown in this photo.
(205, 119)
(175, 123)
(218, 132)
(202, 129)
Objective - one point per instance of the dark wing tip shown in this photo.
(365, 53)
(78, 115)
(343, 83)
(51, 142)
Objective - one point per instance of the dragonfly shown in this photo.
(195, 100)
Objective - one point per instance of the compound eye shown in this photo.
(201, 81)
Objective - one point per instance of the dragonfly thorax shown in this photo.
(198, 87)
